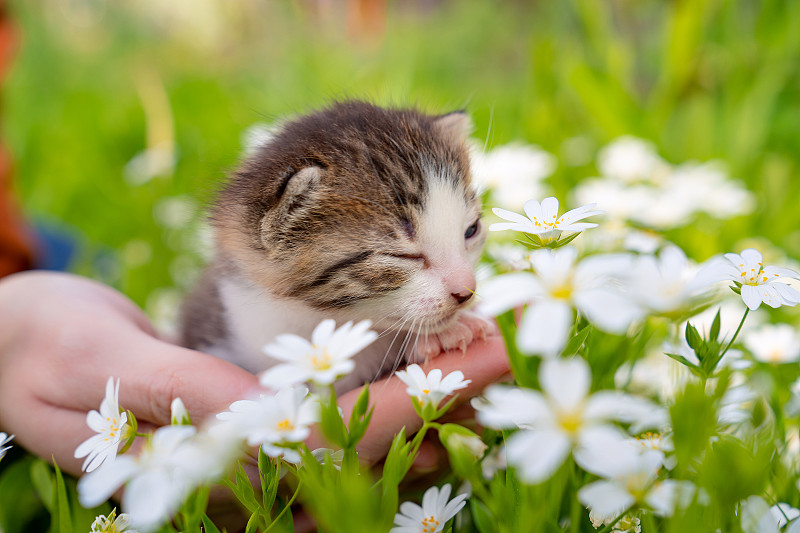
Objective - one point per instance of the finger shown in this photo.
(206, 384)
(483, 363)
(427, 459)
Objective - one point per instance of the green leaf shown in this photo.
(694, 419)
(566, 240)
(693, 337)
(713, 334)
(482, 517)
(209, 526)
(576, 341)
(63, 517)
(681, 359)
(332, 424)
(20, 504)
(253, 523)
(269, 472)
(359, 418)
(243, 489)
(42, 479)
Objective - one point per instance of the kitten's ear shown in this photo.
(298, 183)
(457, 124)
(296, 191)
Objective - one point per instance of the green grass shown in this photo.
(704, 80)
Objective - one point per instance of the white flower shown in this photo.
(779, 343)
(102, 524)
(431, 389)
(629, 159)
(784, 513)
(436, 510)
(618, 200)
(562, 418)
(543, 221)
(627, 524)
(179, 416)
(706, 186)
(327, 357)
(631, 475)
(110, 424)
(758, 283)
(758, 517)
(274, 421)
(157, 480)
(493, 462)
(558, 285)
(4, 439)
(512, 172)
(667, 283)
(510, 256)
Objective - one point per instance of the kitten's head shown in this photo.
(360, 211)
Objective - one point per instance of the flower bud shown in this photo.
(179, 415)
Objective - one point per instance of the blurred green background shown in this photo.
(124, 116)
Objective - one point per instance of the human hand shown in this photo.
(61, 338)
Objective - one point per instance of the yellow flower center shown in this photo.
(429, 524)
(571, 422)
(753, 276)
(426, 391)
(285, 425)
(321, 361)
(562, 292)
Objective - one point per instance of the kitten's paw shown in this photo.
(468, 328)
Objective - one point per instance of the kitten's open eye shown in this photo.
(472, 230)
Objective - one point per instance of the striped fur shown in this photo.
(351, 212)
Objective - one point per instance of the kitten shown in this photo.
(352, 212)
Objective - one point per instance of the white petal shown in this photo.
(605, 498)
(510, 407)
(607, 309)
(282, 376)
(533, 209)
(430, 500)
(453, 507)
(605, 451)
(789, 296)
(537, 454)
(616, 405)
(322, 333)
(717, 269)
(98, 486)
(511, 216)
(566, 382)
(751, 297)
(756, 517)
(779, 272)
(751, 257)
(550, 209)
(505, 292)
(413, 511)
(665, 495)
(544, 327)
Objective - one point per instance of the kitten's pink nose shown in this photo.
(461, 297)
(461, 284)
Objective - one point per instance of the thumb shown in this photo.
(207, 385)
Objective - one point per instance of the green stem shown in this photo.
(287, 506)
(417, 441)
(746, 312)
(575, 506)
